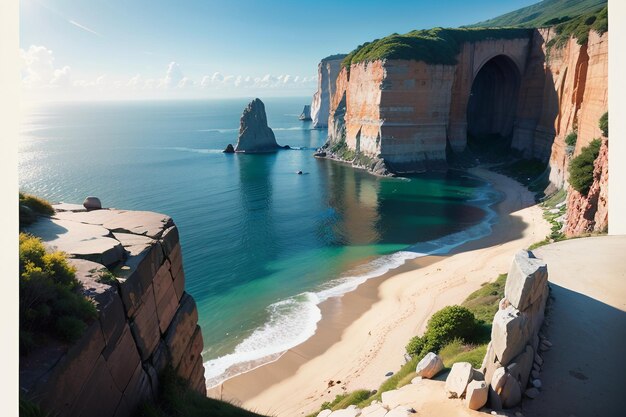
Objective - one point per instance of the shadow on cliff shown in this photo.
(46, 229)
(585, 364)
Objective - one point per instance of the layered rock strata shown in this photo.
(130, 265)
(255, 136)
(327, 72)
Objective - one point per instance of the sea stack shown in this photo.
(254, 134)
(306, 113)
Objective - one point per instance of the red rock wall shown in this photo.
(589, 213)
(146, 322)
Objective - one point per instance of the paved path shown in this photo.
(585, 372)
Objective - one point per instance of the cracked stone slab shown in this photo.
(145, 223)
(79, 240)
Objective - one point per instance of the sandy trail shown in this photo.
(362, 334)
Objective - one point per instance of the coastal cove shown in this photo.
(366, 331)
(298, 239)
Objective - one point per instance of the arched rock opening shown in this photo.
(492, 103)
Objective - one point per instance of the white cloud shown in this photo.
(37, 66)
(173, 76)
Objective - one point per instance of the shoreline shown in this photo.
(362, 334)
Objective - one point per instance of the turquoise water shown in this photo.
(262, 245)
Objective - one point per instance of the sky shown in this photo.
(158, 49)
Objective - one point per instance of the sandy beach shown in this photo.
(362, 335)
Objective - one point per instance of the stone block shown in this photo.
(123, 410)
(526, 281)
(509, 334)
(166, 307)
(169, 239)
(374, 410)
(511, 393)
(122, 358)
(160, 357)
(138, 222)
(476, 395)
(138, 389)
(196, 380)
(179, 281)
(191, 355)
(153, 377)
(58, 389)
(460, 375)
(145, 325)
(429, 366)
(176, 258)
(182, 329)
(521, 365)
(99, 395)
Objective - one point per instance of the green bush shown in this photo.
(570, 140)
(449, 323)
(579, 28)
(581, 167)
(50, 301)
(604, 124)
(31, 206)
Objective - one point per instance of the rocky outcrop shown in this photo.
(590, 213)
(130, 265)
(327, 72)
(306, 113)
(255, 136)
(512, 353)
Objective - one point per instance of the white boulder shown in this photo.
(429, 366)
(460, 375)
(476, 395)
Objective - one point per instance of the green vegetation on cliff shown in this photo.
(604, 124)
(581, 167)
(544, 13)
(176, 399)
(32, 206)
(433, 46)
(579, 28)
(50, 301)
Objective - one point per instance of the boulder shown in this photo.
(229, 149)
(476, 395)
(537, 383)
(509, 334)
(521, 366)
(429, 366)
(532, 393)
(498, 380)
(511, 393)
(374, 410)
(255, 136)
(526, 281)
(460, 375)
(92, 203)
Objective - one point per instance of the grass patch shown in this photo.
(457, 351)
(484, 301)
(176, 399)
(433, 46)
(580, 27)
(32, 206)
(50, 300)
(393, 381)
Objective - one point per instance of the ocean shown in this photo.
(262, 245)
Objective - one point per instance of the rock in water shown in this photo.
(254, 134)
(306, 113)
(229, 149)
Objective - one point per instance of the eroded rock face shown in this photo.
(590, 213)
(327, 72)
(255, 136)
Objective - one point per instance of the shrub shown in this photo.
(447, 324)
(604, 124)
(570, 140)
(581, 167)
(50, 301)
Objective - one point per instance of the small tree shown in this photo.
(570, 140)
(581, 167)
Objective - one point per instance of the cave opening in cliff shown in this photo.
(492, 105)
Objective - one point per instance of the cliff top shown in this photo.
(433, 46)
